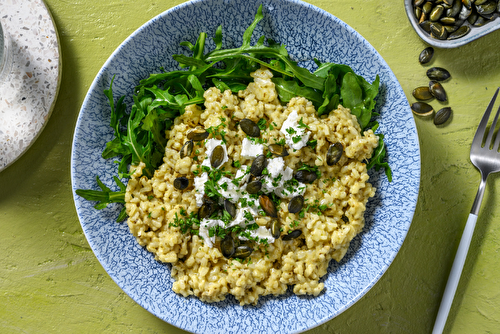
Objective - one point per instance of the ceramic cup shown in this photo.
(5, 54)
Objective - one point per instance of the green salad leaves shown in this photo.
(158, 99)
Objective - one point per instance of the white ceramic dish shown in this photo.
(475, 33)
(308, 32)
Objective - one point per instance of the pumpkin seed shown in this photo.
(426, 26)
(217, 157)
(227, 246)
(186, 149)
(206, 210)
(426, 55)
(249, 127)
(242, 252)
(292, 235)
(442, 116)
(181, 183)
(275, 228)
(197, 134)
(334, 154)
(437, 90)
(296, 204)
(258, 165)
(230, 207)
(460, 32)
(422, 93)
(278, 150)
(436, 13)
(438, 31)
(254, 187)
(268, 206)
(486, 8)
(438, 74)
(422, 109)
(305, 176)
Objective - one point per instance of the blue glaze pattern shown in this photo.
(308, 32)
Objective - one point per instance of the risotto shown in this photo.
(253, 196)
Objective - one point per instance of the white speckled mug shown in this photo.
(5, 54)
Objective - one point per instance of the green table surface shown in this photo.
(50, 280)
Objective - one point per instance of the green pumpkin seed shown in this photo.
(278, 150)
(227, 246)
(422, 93)
(436, 13)
(437, 90)
(230, 207)
(186, 149)
(275, 228)
(422, 109)
(438, 74)
(249, 127)
(334, 154)
(442, 116)
(460, 32)
(292, 235)
(197, 134)
(305, 176)
(242, 252)
(206, 210)
(426, 55)
(296, 204)
(438, 31)
(254, 187)
(486, 8)
(258, 165)
(181, 183)
(268, 206)
(426, 26)
(217, 156)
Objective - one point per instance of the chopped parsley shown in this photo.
(302, 125)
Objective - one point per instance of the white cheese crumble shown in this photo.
(205, 226)
(199, 186)
(228, 190)
(275, 166)
(210, 145)
(261, 233)
(252, 207)
(291, 130)
(250, 150)
(242, 175)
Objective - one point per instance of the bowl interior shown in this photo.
(308, 33)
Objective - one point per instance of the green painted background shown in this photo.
(50, 281)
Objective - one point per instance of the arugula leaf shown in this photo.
(105, 196)
(378, 156)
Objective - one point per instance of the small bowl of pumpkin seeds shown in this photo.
(452, 23)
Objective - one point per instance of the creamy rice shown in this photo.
(336, 200)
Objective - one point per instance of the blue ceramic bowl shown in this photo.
(309, 33)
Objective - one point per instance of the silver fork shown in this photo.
(486, 158)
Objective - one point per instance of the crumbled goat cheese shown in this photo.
(228, 190)
(250, 150)
(205, 226)
(261, 233)
(242, 175)
(291, 130)
(199, 186)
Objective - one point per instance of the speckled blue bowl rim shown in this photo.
(389, 213)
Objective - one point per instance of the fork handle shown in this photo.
(454, 278)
